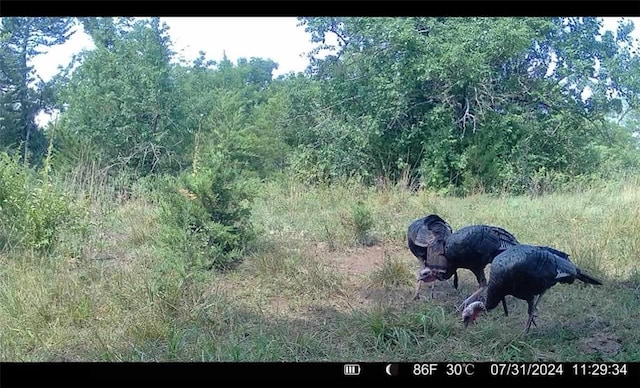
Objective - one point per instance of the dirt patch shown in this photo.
(361, 261)
(603, 343)
(279, 304)
(358, 264)
(355, 267)
(356, 290)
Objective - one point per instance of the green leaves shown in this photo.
(453, 97)
(22, 93)
(206, 214)
(122, 97)
(32, 211)
(460, 102)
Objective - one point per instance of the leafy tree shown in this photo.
(233, 108)
(22, 94)
(473, 101)
(121, 100)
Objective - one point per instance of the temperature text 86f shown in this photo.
(449, 369)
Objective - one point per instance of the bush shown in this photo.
(362, 224)
(205, 215)
(32, 210)
(332, 151)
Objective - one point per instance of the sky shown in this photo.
(275, 38)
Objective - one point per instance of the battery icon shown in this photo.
(351, 369)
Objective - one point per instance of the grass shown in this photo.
(330, 279)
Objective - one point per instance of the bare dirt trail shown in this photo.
(359, 289)
(358, 265)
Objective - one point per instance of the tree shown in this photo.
(23, 94)
(468, 101)
(121, 100)
(233, 109)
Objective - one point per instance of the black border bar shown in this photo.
(141, 8)
(423, 374)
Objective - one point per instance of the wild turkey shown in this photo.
(524, 271)
(473, 247)
(426, 237)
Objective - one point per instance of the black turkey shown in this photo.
(524, 271)
(473, 247)
(426, 237)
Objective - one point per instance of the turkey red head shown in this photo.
(429, 274)
(471, 312)
(435, 267)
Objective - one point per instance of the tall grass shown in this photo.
(328, 278)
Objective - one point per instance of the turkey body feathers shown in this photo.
(525, 271)
(473, 247)
(582, 276)
(555, 252)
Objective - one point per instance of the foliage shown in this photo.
(121, 98)
(233, 108)
(462, 104)
(33, 211)
(473, 101)
(362, 223)
(23, 94)
(205, 215)
(333, 151)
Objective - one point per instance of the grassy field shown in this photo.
(330, 279)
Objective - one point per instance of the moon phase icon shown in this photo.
(392, 369)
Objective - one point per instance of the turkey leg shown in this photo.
(418, 287)
(532, 316)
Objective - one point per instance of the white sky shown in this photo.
(276, 38)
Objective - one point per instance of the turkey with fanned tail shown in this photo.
(426, 237)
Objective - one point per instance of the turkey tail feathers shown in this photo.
(585, 277)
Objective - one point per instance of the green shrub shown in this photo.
(205, 215)
(362, 223)
(32, 210)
